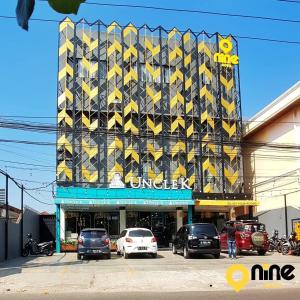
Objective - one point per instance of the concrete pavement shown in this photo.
(292, 294)
(63, 273)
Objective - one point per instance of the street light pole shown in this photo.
(286, 216)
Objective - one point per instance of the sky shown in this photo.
(29, 67)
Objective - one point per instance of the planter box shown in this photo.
(68, 248)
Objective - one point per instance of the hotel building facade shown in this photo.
(149, 129)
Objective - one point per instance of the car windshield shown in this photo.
(251, 227)
(206, 229)
(140, 233)
(93, 234)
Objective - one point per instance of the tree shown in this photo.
(25, 9)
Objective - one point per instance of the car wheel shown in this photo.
(108, 256)
(125, 255)
(217, 255)
(186, 253)
(154, 255)
(261, 252)
(118, 253)
(174, 249)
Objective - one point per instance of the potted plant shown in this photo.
(68, 246)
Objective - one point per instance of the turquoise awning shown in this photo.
(122, 196)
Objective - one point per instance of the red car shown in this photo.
(250, 235)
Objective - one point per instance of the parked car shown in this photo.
(198, 238)
(250, 235)
(93, 242)
(136, 240)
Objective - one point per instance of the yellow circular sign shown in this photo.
(225, 45)
(237, 284)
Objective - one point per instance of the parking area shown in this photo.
(167, 273)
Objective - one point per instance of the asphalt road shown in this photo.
(292, 294)
(63, 273)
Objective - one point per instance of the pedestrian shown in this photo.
(231, 240)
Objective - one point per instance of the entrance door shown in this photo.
(162, 224)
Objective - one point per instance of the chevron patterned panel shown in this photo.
(177, 105)
(65, 102)
(115, 145)
(231, 123)
(192, 108)
(210, 116)
(130, 103)
(146, 102)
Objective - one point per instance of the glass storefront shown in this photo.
(76, 221)
(162, 224)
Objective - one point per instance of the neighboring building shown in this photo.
(272, 160)
(149, 129)
(14, 213)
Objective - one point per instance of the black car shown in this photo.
(93, 242)
(198, 238)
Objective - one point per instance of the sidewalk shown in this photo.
(167, 273)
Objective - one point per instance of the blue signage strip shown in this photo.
(124, 194)
(74, 201)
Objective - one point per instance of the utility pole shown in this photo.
(6, 218)
(22, 219)
(286, 217)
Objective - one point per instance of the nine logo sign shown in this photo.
(224, 57)
(265, 272)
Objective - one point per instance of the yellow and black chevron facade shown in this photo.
(148, 103)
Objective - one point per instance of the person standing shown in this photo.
(231, 240)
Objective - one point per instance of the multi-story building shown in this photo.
(149, 128)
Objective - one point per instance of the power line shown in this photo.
(55, 117)
(289, 1)
(262, 39)
(27, 164)
(50, 204)
(28, 169)
(41, 187)
(193, 11)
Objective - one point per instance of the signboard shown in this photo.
(122, 193)
(224, 57)
(141, 183)
(226, 202)
(69, 201)
(2, 196)
(296, 228)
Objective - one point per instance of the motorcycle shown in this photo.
(275, 242)
(291, 245)
(33, 248)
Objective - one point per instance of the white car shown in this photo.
(136, 240)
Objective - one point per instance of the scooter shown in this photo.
(291, 245)
(33, 248)
(274, 241)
